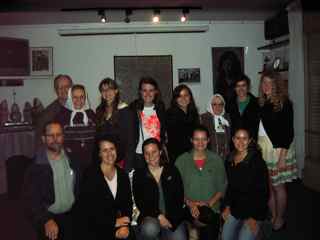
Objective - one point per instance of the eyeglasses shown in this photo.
(217, 104)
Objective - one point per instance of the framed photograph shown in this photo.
(128, 71)
(41, 59)
(189, 75)
(227, 65)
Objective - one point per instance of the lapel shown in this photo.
(105, 187)
(212, 125)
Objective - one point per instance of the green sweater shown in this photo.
(63, 180)
(202, 184)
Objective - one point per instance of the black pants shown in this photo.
(210, 230)
(65, 225)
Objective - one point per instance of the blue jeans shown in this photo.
(150, 229)
(236, 229)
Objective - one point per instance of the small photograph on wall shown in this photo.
(227, 64)
(189, 75)
(41, 61)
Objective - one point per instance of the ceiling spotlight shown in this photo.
(128, 12)
(183, 17)
(102, 15)
(156, 16)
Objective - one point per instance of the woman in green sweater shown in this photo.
(203, 176)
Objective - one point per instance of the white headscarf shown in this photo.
(69, 105)
(219, 121)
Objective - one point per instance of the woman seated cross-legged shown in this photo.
(159, 196)
(246, 198)
(104, 206)
(203, 176)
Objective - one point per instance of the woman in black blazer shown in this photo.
(276, 139)
(104, 206)
(114, 117)
(159, 196)
(181, 119)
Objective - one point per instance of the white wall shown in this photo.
(88, 59)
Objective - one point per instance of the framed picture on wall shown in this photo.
(41, 61)
(227, 65)
(128, 71)
(189, 75)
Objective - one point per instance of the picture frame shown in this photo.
(227, 62)
(128, 71)
(189, 75)
(41, 61)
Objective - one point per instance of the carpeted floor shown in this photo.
(303, 208)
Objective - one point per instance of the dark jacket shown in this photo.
(247, 192)
(38, 189)
(179, 129)
(146, 194)
(219, 142)
(160, 110)
(278, 125)
(79, 140)
(96, 210)
(123, 127)
(249, 119)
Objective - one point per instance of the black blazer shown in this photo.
(247, 192)
(278, 125)
(146, 194)
(249, 118)
(123, 127)
(179, 129)
(96, 210)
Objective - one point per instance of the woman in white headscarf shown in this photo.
(218, 124)
(76, 112)
(78, 121)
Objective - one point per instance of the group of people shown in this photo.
(223, 169)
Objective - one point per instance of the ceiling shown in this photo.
(80, 11)
(49, 5)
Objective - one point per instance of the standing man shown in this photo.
(62, 83)
(50, 188)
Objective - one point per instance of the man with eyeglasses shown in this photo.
(243, 108)
(51, 186)
(62, 83)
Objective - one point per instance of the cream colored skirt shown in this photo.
(271, 156)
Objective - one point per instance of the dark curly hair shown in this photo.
(192, 110)
(139, 103)
(163, 158)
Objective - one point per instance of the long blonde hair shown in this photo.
(278, 93)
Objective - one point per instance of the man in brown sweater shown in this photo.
(62, 83)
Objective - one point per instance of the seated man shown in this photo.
(203, 176)
(50, 186)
